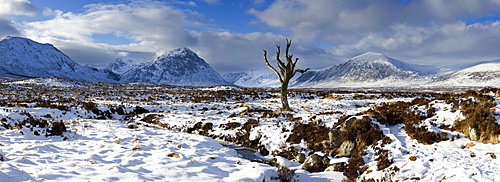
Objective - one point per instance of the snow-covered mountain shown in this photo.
(480, 74)
(253, 78)
(123, 64)
(369, 69)
(377, 70)
(178, 67)
(24, 58)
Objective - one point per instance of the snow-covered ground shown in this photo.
(106, 150)
(103, 143)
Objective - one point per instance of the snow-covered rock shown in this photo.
(178, 67)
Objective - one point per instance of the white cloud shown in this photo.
(435, 44)
(211, 1)
(154, 28)
(411, 32)
(433, 29)
(150, 26)
(13, 7)
(16, 7)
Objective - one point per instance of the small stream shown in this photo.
(244, 152)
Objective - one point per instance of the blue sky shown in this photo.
(230, 35)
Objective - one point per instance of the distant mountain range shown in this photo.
(24, 58)
(377, 70)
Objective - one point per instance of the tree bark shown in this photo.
(284, 97)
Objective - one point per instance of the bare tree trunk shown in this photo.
(286, 72)
(284, 97)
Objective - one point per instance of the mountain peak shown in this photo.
(370, 56)
(179, 52)
(180, 66)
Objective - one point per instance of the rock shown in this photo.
(345, 150)
(473, 135)
(326, 160)
(315, 163)
(263, 151)
(272, 162)
(335, 138)
(338, 166)
(283, 161)
(301, 157)
(172, 154)
(348, 123)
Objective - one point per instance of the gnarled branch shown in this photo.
(271, 67)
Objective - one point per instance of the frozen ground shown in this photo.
(103, 143)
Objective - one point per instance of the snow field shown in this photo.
(111, 150)
(106, 150)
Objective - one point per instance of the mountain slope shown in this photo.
(369, 69)
(25, 58)
(480, 74)
(178, 67)
(122, 65)
(253, 78)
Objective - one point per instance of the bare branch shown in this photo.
(302, 71)
(280, 63)
(294, 63)
(288, 56)
(299, 71)
(271, 67)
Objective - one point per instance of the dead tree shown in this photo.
(285, 73)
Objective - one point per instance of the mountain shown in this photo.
(253, 78)
(476, 74)
(24, 58)
(178, 67)
(369, 69)
(122, 65)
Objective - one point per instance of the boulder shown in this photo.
(348, 123)
(334, 138)
(301, 157)
(337, 167)
(345, 150)
(316, 163)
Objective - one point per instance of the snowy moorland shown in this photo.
(62, 130)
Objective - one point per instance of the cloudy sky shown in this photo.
(230, 35)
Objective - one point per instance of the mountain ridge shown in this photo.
(180, 66)
(24, 58)
(374, 69)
